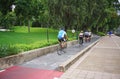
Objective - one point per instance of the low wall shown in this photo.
(65, 65)
(29, 55)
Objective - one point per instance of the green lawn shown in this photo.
(19, 40)
(25, 38)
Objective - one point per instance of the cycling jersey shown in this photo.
(61, 34)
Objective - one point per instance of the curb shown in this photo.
(65, 65)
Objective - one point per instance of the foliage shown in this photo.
(101, 34)
(8, 20)
(6, 50)
(29, 9)
(5, 6)
(0, 18)
(79, 14)
(19, 40)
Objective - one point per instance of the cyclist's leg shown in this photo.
(59, 49)
(81, 40)
(89, 38)
(65, 44)
(60, 42)
(85, 38)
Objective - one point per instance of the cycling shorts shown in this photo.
(61, 39)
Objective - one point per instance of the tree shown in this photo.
(62, 11)
(8, 20)
(29, 9)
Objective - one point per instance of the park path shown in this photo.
(51, 61)
(101, 62)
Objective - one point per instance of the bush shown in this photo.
(6, 50)
(36, 24)
(8, 20)
(100, 33)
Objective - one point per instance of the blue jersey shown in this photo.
(61, 34)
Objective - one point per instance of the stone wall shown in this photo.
(29, 55)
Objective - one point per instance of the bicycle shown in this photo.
(80, 41)
(61, 47)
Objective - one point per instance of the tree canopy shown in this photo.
(94, 15)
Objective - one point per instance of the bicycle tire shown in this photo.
(61, 50)
(58, 50)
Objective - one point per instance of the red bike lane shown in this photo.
(19, 72)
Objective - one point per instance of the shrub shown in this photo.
(100, 33)
(6, 50)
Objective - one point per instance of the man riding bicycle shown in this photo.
(62, 37)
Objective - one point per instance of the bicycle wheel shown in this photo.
(59, 50)
(80, 41)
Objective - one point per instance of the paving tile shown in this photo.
(115, 76)
(107, 76)
(90, 75)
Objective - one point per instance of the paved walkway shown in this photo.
(52, 60)
(101, 62)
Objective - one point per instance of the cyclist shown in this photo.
(90, 35)
(110, 33)
(86, 34)
(81, 36)
(62, 37)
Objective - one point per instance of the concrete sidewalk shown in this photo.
(101, 62)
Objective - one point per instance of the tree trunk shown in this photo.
(28, 26)
(97, 29)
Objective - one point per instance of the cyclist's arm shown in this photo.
(66, 37)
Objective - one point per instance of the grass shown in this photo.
(19, 40)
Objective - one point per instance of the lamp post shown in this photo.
(47, 32)
(73, 32)
(119, 1)
(118, 10)
(13, 7)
